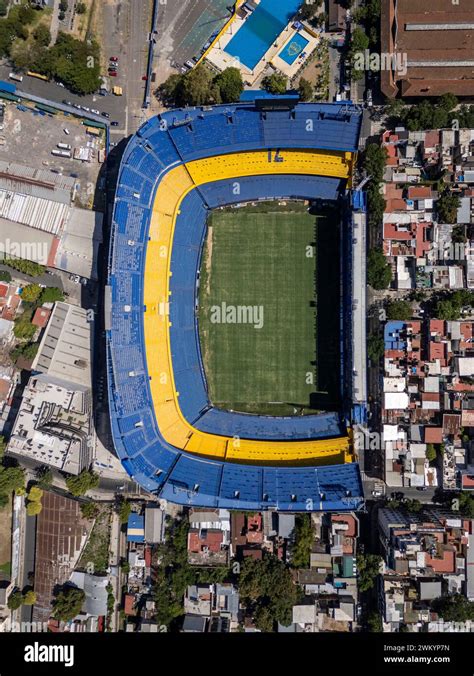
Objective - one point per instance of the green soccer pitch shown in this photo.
(262, 318)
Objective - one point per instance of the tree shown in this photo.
(3, 7)
(275, 83)
(308, 10)
(44, 475)
(466, 505)
(15, 600)
(124, 510)
(168, 91)
(35, 493)
(374, 161)
(68, 603)
(81, 8)
(431, 452)
(303, 541)
(29, 598)
(229, 84)
(399, 310)
(379, 274)
(413, 505)
(305, 88)
(25, 350)
(458, 234)
(89, 510)
(368, 566)
(79, 485)
(453, 608)
(27, 267)
(374, 622)
(51, 294)
(3, 445)
(42, 35)
(447, 206)
(394, 108)
(5, 276)
(34, 508)
(359, 43)
(375, 347)
(448, 102)
(31, 293)
(23, 329)
(194, 88)
(63, 5)
(268, 591)
(11, 479)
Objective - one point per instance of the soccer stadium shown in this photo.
(200, 413)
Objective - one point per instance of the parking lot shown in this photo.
(29, 139)
(183, 30)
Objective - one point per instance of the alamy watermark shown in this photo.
(32, 251)
(237, 314)
(377, 62)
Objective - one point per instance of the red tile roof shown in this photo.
(41, 317)
(433, 435)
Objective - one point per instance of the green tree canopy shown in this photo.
(27, 267)
(375, 347)
(194, 87)
(51, 294)
(44, 475)
(34, 508)
(305, 88)
(11, 479)
(68, 603)
(276, 83)
(453, 608)
(267, 589)
(303, 538)
(15, 600)
(431, 452)
(379, 274)
(230, 85)
(42, 35)
(79, 485)
(31, 293)
(29, 598)
(368, 566)
(400, 310)
(447, 206)
(23, 329)
(89, 510)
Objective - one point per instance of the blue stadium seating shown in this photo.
(161, 143)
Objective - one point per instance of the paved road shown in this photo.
(126, 26)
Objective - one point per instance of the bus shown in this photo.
(40, 77)
(61, 153)
(15, 76)
(64, 146)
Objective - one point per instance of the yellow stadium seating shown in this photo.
(171, 191)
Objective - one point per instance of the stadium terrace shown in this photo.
(170, 438)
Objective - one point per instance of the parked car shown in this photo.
(67, 132)
(114, 123)
(104, 114)
(96, 112)
(114, 58)
(112, 73)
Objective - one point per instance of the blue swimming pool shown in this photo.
(293, 49)
(260, 30)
